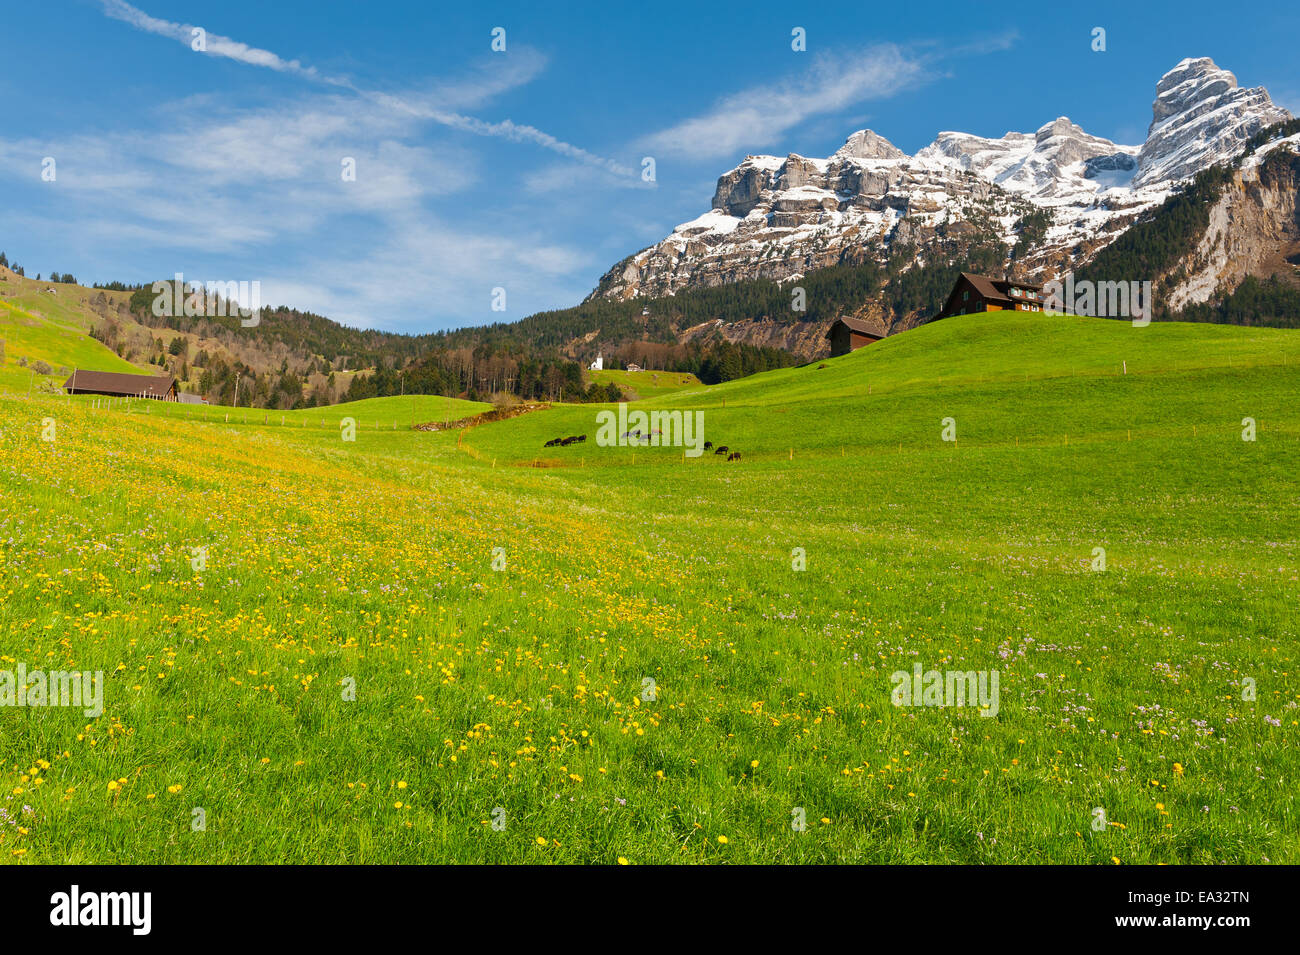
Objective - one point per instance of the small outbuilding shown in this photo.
(850, 334)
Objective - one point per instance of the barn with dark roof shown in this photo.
(117, 385)
(850, 334)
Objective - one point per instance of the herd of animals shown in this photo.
(579, 438)
(722, 449)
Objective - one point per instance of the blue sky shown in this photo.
(518, 169)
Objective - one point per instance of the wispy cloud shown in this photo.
(437, 106)
(758, 116)
(214, 44)
(831, 82)
(185, 201)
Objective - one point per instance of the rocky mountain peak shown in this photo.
(1188, 83)
(865, 144)
(1061, 126)
(1200, 117)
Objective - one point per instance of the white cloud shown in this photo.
(759, 115)
(215, 44)
(426, 271)
(437, 105)
(257, 194)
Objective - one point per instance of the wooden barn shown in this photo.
(117, 385)
(979, 293)
(850, 334)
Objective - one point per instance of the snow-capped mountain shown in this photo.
(779, 218)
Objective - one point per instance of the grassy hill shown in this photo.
(47, 330)
(645, 384)
(53, 323)
(415, 647)
(1088, 379)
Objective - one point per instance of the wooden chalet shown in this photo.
(979, 293)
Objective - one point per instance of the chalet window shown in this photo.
(965, 296)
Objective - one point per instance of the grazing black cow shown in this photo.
(552, 443)
(580, 438)
(733, 456)
(708, 445)
(720, 449)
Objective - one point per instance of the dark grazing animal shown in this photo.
(720, 449)
(565, 442)
(708, 445)
(733, 456)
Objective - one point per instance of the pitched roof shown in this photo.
(150, 386)
(997, 289)
(984, 285)
(859, 326)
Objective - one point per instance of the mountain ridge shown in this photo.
(781, 218)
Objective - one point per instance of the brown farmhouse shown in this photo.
(979, 293)
(160, 387)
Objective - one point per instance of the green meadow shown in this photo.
(461, 646)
